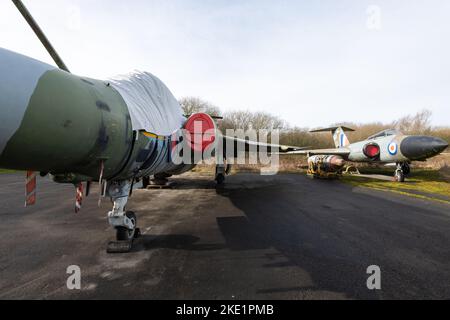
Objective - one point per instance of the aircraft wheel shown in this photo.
(220, 178)
(145, 182)
(406, 169)
(125, 234)
(399, 176)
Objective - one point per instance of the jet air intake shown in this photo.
(372, 151)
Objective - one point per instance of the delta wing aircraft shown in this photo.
(82, 130)
(388, 146)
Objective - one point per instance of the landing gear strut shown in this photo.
(123, 221)
(222, 170)
(402, 170)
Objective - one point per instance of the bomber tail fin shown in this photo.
(339, 136)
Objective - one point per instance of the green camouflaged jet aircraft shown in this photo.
(80, 129)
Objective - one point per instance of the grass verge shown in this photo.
(421, 183)
(7, 171)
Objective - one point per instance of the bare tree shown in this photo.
(236, 120)
(420, 123)
(251, 120)
(302, 137)
(193, 105)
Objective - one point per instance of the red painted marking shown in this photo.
(200, 133)
(31, 200)
(30, 189)
(79, 197)
(31, 185)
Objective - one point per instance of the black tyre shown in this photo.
(145, 182)
(125, 234)
(399, 176)
(220, 178)
(406, 169)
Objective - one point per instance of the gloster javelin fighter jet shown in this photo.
(82, 130)
(388, 146)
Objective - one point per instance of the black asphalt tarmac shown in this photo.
(258, 237)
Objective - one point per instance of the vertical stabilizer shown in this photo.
(339, 136)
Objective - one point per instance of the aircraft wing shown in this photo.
(240, 144)
(333, 151)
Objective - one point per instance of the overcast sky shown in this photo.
(310, 62)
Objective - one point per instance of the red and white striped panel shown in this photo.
(30, 189)
(79, 197)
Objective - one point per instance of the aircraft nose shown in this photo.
(19, 76)
(422, 147)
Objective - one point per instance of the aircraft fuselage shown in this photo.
(56, 122)
(398, 148)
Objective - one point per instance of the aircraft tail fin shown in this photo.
(339, 136)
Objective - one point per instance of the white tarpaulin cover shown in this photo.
(151, 105)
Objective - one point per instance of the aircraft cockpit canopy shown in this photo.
(384, 133)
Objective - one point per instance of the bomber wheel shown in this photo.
(125, 234)
(399, 176)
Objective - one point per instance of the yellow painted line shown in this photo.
(154, 136)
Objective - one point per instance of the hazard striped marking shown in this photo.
(30, 189)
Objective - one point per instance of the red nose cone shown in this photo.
(200, 131)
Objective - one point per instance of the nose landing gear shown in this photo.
(124, 222)
(406, 168)
(124, 233)
(222, 170)
(402, 170)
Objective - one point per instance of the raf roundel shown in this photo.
(392, 148)
(343, 139)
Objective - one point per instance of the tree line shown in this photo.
(419, 123)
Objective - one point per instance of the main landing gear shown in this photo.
(158, 181)
(402, 170)
(123, 221)
(221, 171)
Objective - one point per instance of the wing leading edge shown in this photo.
(248, 145)
(333, 151)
